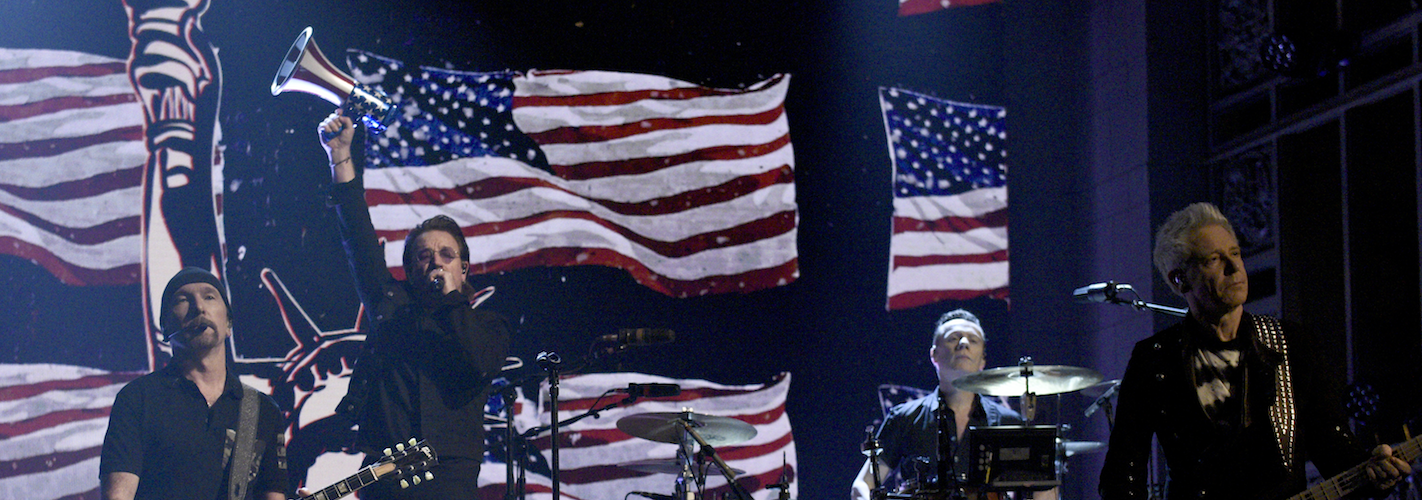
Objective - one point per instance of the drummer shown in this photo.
(910, 433)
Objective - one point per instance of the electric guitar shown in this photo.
(1352, 479)
(404, 463)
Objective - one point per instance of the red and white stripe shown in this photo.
(592, 450)
(948, 248)
(913, 7)
(689, 189)
(52, 423)
(71, 165)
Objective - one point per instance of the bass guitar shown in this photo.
(1355, 478)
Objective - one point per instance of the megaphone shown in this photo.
(306, 69)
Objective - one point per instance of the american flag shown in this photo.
(52, 422)
(689, 189)
(593, 450)
(911, 7)
(71, 165)
(949, 239)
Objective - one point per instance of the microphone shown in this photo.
(546, 360)
(168, 335)
(653, 496)
(1099, 292)
(437, 283)
(1103, 400)
(652, 390)
(632, 337)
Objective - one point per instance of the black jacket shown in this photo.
(427, 361)
(1207, 459)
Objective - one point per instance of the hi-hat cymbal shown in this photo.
(666, 427)
(1045, 379)
(669, 466)
(1075, 447)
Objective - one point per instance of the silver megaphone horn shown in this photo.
(306, 69)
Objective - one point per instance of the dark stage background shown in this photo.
(829, 328)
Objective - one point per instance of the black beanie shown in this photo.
(187, 276)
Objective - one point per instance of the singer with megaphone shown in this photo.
(433, 349)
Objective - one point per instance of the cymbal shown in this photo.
(666, 427)
(1075, 447)
(1045, 379)
(1097, 390)
(669, 466)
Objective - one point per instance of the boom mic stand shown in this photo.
(1112, 296)
(1112, 292)
(552, 363)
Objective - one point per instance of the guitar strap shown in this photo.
(1282, 413)
(244, 464)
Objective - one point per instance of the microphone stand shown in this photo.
(1113, 297)
(595, 413)
(513, 489)
(550, 362)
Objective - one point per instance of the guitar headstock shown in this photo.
(409, 462)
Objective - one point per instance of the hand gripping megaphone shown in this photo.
(306, 69)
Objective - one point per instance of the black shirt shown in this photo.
(909, 435)
(162, 430)
(426, 367)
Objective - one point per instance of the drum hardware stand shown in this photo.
(707, 450)
(872, 449)
(783, 484)
(1029, 398)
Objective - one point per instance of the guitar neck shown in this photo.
(365, 477)
(1355, 478)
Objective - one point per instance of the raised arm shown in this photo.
(338, 149)
(378, 290)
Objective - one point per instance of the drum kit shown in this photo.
(696, 436)
(1017, 457)
(1022, 457)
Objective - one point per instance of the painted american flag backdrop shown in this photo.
(913, 7)
(52, 423)
(71, 165)
(689, 189)
(53, 418)
(593, 450)
(949, 237)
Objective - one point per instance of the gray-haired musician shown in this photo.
(1237, 401)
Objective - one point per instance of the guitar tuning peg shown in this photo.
(412, 441)
(415, 480)
(400, 447)
(404, 484)
(386, 451)
(429, 476)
